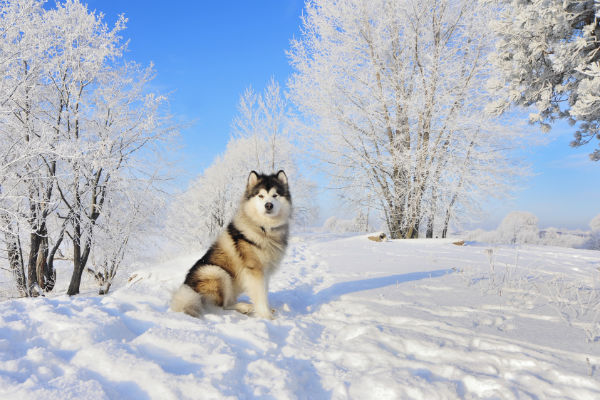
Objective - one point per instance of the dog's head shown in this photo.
(267, 198)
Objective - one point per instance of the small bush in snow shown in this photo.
(518, 227)
(563, 238)
(594, 241)
(521, 227)
(595, 224)
(338, 225)
(480, 235)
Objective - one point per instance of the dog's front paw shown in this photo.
(266, 314)
(244, 308)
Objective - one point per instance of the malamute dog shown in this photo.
(244, 255)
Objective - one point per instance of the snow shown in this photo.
(355, 319)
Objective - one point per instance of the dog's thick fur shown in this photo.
(244, 255)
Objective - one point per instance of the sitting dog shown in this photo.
(244, 255)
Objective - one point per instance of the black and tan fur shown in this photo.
(244, 255)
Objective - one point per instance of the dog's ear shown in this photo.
(282, 177)
(252, 179)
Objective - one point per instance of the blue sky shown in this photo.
(207, 53)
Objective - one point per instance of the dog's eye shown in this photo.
(274, 195)
(260, 196)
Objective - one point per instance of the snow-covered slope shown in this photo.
(356, 319)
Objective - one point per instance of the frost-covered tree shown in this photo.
(125, 219)
(267, 125)
(76, 120)
(117, 143)
(81, 47)
(29, 162)
(549, 54)
(108, 117)
(595, 224)
(265, 116)
(262, 141)
(14, 47)
(518, 227)
(395, 89)
(594, 240)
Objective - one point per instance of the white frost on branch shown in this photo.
(549, 55)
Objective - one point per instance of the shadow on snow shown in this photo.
(302, 300)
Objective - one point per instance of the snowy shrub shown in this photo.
(339, 225)
(480, 235)
(595, 224)
(594, 240)
(518, 227)
(563, 238)
(521, 228)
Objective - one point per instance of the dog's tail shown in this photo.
(187, 300)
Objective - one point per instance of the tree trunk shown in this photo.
(104, 288)
(394, 223)
(80, 257)
(448, 212)
(75, 278)
(456, 191)
(15, 262)
(16, 266)
(32, 282)
(44, 274)
(77, 265)
(50, 270)
(413, 231)
(429, 233)
(446, 223)
(394, 228)
(40, 262)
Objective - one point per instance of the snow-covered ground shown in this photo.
(356, 319)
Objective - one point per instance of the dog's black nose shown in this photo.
(269, 206)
